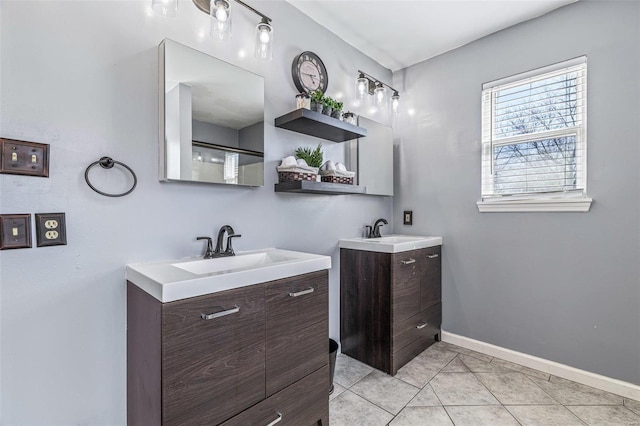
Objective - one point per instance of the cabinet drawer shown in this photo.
(406, 268)
(430, 276)
(297, 328)
(415, 335)
(212, 356)
(301, 404)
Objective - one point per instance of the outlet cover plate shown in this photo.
(408, 217)
(51, 229)
(24, 158)
(15, 231)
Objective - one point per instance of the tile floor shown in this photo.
(449, 385)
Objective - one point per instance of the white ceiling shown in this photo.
(400, 33)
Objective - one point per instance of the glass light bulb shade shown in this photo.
(264, 41)
(378, 94)
(168, 8)
(362, 90)
(395, 104)
(220, 19)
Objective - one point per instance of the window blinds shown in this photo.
(534, 132)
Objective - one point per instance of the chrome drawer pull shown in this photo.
(408, 262)
(421, 326)
(221, 314)
(278, 420)
(302, 293)
(432, 256)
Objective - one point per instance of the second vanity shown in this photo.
(390, 298)
(240, 340)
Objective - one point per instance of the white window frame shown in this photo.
(570, 201)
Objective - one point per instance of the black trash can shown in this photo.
(333, 351)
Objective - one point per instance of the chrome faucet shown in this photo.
(211, 253)
(374, 232)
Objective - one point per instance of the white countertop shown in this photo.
(173, 280)
(391, 243)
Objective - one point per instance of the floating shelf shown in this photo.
(319, 125)
(327, 188)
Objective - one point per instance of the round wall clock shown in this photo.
(309, 73)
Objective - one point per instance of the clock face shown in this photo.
(309, 73)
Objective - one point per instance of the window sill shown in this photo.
(536, 205)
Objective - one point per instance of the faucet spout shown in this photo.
(219, 252)
(375, 232)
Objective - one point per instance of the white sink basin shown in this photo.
(391, 243)
(174, 280)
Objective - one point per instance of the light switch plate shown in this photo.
(24, 158)
(51, 229)
(408, 217)
(15, 231)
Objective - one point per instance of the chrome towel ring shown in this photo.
(107, 163)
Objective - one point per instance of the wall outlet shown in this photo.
(51, 229)
(24, 158)
(15, 231)
(408, 217)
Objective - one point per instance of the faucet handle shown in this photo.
(229, 246)
(367, 231)
(209, 253)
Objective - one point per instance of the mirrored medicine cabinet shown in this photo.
(211, 119)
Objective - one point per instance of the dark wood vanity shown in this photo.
(390, 305)
(252, 355)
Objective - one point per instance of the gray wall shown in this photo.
(213, 133)
(82, 76)
(561, 286)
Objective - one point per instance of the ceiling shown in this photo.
(401, 33)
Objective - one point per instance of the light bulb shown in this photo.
(378, 93)
(264, 36)
(221, 14)
(264, 40)
(220, 19)
(395, 103)
(362, 89)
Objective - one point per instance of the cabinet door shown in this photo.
(430, 276)
(304, 403)
(212, 356)
(297, 328)
(406, 284)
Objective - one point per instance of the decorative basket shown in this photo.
(289, 176)
(337, 179)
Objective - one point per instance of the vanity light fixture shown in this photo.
(220, 12)
(367, 85)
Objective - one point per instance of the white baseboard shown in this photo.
(618, 387)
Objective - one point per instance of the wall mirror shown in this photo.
(211, 119)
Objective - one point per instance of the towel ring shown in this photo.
(107, 163)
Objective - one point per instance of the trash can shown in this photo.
(333, 351)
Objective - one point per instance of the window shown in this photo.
(534, 140)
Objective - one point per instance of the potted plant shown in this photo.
(337, 110)
(327, 102)
(313, 157)
(317, 99)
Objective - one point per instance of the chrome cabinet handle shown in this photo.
(220, 314)
(408, 262)
(421, 326)
(302, 293)
(432, 256)
(278, 420)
